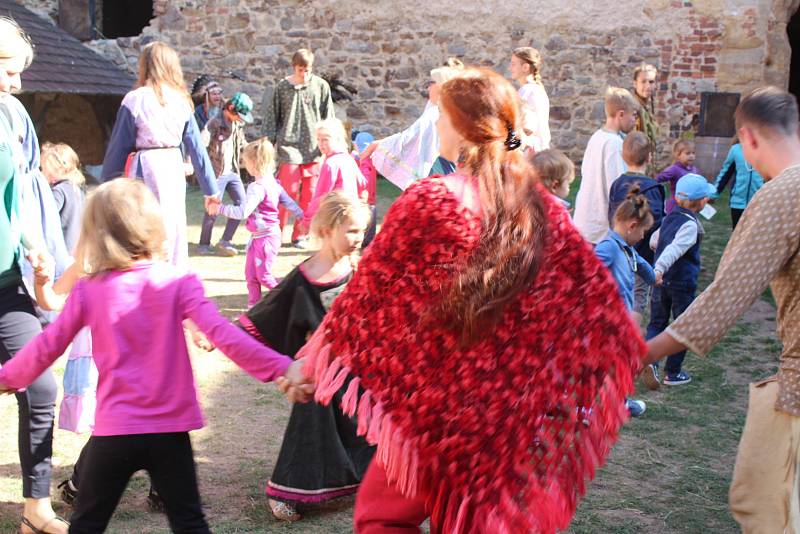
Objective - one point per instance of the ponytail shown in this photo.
(635, 207)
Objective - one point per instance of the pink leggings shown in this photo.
(261, 254)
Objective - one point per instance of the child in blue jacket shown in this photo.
(632, 219)
(744, 178)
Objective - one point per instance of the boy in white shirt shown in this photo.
(602, 164)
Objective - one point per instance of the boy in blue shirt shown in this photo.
(677, 246)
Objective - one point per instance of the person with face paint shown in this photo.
(207, 98)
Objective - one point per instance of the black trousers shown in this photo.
(110, 461)
(18, 325)
(736, 214)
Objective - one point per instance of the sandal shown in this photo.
(34, 530)
(284, 511)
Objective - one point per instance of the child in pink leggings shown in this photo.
(260, 208)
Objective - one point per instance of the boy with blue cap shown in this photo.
(677, 246)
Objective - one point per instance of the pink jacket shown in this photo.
(338, 172)
(145, 383)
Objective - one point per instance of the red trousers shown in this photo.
(382, 509)
(299, 181)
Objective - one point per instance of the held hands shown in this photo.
(43, 266)
(294, 384)
(659, 278)
(212, 205)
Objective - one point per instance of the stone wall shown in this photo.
(387, 48)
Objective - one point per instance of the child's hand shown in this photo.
(201, 341)
(659, 278)
(212, 203)
(43, 266)
(294, 384)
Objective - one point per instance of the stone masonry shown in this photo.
(387, 48)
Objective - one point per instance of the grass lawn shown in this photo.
(669, 472)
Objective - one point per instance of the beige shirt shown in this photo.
(762, 251)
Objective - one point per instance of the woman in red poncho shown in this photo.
(490, 349)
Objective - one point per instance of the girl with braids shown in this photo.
(459, 336)
(525, 65)
(632, 219)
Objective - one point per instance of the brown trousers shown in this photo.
(764, 492)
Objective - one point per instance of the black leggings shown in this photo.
(18, 325)
(108, 462)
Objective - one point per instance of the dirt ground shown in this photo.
(669, 472)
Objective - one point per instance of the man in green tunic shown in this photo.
(298, 103)
(644, 84)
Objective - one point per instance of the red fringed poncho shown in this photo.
(503, 435)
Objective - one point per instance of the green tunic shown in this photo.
(646, 122)
(292, 115)
(9, 217)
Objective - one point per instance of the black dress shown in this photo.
(321, 456)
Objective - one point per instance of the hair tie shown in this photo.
(512, 142)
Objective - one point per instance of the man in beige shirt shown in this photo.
(763, 251)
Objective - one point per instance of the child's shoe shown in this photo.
(68, 492)
(635, 407)
(677, 379)
(206, 250)
(650, 377)
(284, 511)
(226, 249)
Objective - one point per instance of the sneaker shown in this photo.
(302, 244)
(677, 379)
(206, 250)
(68, 492)
(650, 377)
(635, 407)
(155, 503)
(226, 248)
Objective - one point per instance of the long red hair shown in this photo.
(483, 108)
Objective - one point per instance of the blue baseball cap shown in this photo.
(363, 140)
(693, 187)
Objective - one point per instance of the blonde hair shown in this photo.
(636, 149)
(14, 41)
(635, 208)
(303, 58)
(682, 145)
(159, 67)
(61, 162)
(441, 75)
(336, 208)
(553, 168)
(533, 58)
(260, 156)
(336, 130)
(618, 99)
(122, 224)
(454, 63)
(693, 205)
